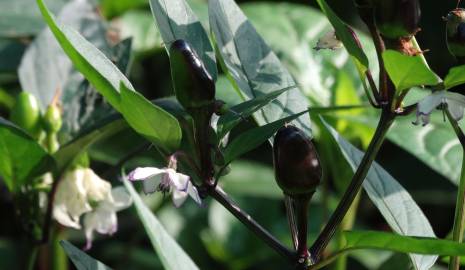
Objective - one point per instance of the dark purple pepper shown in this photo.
(296, 162)
(455, 29)
(193, 84)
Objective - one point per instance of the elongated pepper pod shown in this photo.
(455, 30)
(298, 173)
(397, 18)
(193, 84)
(195, 90)
(297, 165)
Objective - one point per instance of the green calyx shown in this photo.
(296, 162)
(26, 114)
(455, 29)
(397, 18)
(193, 85)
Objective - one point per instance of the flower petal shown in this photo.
(455, 105)
(120, 198)
(142, 173)
(179, 197)
(179, 181)
(194, 194)
(96, 188)
(150, 185)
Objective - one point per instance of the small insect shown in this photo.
(328, 41)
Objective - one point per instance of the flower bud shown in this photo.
(52, 118)
(193, 85)
(455, 29)
(397, 18)
(26, 113)
(296, 162)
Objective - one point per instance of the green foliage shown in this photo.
(345, 35)
(395, 204)
(455, 77)
(81, 260)
(251, 65)
(21, 157)
(408, 71)
(171, 254)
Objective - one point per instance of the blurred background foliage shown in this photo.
(213, 238)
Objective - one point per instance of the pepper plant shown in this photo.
(195, 133)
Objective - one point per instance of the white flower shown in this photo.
(328, 41)
(454, 102)
(166, 180)
(80, 192)
(103, 217)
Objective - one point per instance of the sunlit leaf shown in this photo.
(408, 71)
(455, 77)
(21, 157)
(176, 20)
(395, 204)
(251, 65)
(171, 254)
(80, 259)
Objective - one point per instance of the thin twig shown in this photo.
(220, 196)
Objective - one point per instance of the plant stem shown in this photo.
(31, 261)
(459, 218)
(220, 196)
(325, 236)
(346, 224)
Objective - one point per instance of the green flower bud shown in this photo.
(52, 118)
(296, 162)
(455, 29)
(26, 113)
(193, 85)
(397, 18)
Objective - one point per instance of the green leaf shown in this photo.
(80, 259)
(111, 8)
(172, 256)
(434, 144)
(243, 110)
(67, 153)
(251, 65)
(176, 20)
(316, 72)
(404, 244)
(149, 120)
(21, 157)
(253, 138)
(138, 24)
(20, 18)
(91, 62)
(455, 77)
(343, 34)
(248, 178)
(408, 71)
(45, 67)
(395, 204)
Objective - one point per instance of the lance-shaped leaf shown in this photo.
(68, 152)
(254, 69)
(80, 259)
(395, 204)
(171, 255)
(21, 157)
(243, 110)
(401, 243)
(455, 77)
(150, 120)
(107, 78)
(254, 137)
(176, 20)
(346, 36)
(408, 71)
